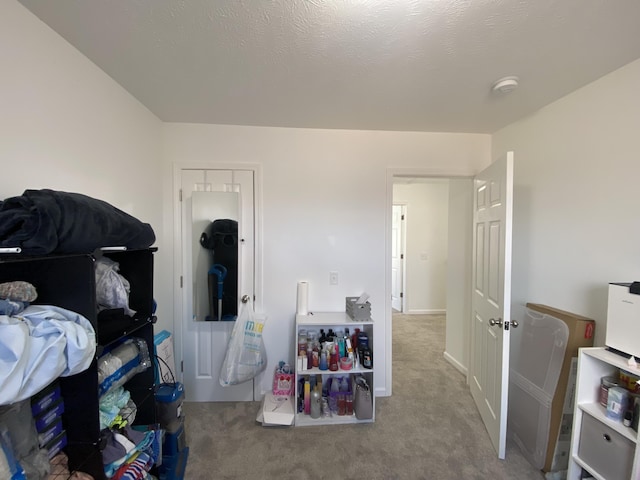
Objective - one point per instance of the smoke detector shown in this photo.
(505, 85)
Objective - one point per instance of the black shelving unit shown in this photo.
(68, 281)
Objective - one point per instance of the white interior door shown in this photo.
(208, 195)
(491, 297)
(397, 257)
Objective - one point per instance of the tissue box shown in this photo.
(358, 311)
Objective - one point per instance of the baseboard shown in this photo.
(429, 311)
(381, 392)
(457, 365)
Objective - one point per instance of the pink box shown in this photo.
(284, 383)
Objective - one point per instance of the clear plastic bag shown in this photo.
(115, 368)
(9, 466)
(246, 355)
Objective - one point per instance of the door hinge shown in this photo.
(402, 256)
(401, 294)
(180, 281)
(180, 194)
(402, 217)
(182, 366)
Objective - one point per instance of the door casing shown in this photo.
(392, 173)
(179, 280)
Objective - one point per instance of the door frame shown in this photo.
(403, 247)
(393, 172)
(178, 167)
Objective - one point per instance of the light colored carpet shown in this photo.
(428, 429)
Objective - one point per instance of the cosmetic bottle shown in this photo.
(367, 358)
(334, 360)
(354, 339)
(315, 356)
(335, 384)
(307, 396)
(316, 402)
(344, 384)
(323, 361)
(331, 335)
(341, 347)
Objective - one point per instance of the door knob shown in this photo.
(514, 323)
(493, 322)
(245, 298)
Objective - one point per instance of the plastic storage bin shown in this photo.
(535, 364)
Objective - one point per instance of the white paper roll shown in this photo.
(303, 298)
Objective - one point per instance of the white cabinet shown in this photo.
(337, 321)
(603, 447)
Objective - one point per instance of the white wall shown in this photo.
(326, 200)
(66, 125)
(325, 206)
(426, 242)
(576, 208)
(460, 237)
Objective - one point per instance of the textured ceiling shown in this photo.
(414, 65)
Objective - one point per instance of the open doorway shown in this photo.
(424, 204)
(438, 259)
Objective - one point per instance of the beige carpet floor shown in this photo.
(428, 429)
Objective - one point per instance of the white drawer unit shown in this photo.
(605, 450)
(604, 447)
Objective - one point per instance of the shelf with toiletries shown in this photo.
(604, 442)
(318, 335)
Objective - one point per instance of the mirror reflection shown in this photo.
(215, 255)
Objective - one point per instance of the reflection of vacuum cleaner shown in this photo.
(221, 238)
(220, 272)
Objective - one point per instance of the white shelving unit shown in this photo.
(336, 321)
(609, 450)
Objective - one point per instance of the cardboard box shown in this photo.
(166, 364)
(581, 330)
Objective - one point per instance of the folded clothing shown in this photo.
(122, 446)
(10, 307)
(18, 291)
(16, 296)
(116, 405)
